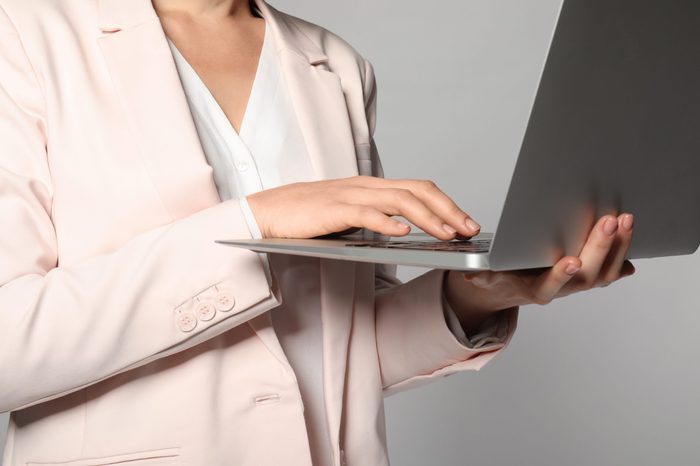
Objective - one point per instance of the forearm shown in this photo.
(129, 307)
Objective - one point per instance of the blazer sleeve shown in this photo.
(414, 342)
(64, 328)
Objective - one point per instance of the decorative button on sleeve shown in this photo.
(205, 311)
(186, 321)
(224, 301)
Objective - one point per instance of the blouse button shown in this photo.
(242, 166)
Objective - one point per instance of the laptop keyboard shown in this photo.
(471, 246)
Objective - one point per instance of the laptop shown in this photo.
(615, 127)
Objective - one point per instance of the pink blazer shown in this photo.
(109, 214)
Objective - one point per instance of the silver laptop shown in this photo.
(615, 127)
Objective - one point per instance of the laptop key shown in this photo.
(471, 246)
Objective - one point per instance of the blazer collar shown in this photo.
(116, 15)
(290, 37)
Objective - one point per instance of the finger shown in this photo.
(612, 269)
(368, 217)
(440, 203)
(550, 283)
(402, 202)
(597, 248)
(428, 192)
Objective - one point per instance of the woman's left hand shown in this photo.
(475, 296)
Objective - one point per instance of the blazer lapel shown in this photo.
(317, 97)
(141, 65)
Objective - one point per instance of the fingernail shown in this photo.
(628, 222)
(610, 226)
(448, 229)
(472, 225)
(572, 269)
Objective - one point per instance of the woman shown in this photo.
(135, 134)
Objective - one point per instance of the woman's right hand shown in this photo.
(319, 208)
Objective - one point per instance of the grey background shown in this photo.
(606, 378)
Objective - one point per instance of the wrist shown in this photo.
(472, 313)
(253, 204)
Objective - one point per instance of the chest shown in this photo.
(225, 58)
(130, 160)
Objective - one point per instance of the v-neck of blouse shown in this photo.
(261, 72)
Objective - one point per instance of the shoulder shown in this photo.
(47, 17)
(328, 41)
(343, 58)
(41, 8)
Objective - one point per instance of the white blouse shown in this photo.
(268, 152)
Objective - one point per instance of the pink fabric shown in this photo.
(127, 334)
